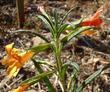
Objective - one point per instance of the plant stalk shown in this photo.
(20, 11)
(58, 48)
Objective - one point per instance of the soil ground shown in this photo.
(89, 59)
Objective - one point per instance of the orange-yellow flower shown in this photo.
(88, 32)
(21, 88)
(15, 59)
(95, 20)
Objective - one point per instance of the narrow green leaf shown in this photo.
(65, 66)
(73, 82)
(74, 24)
(71, 26)
(45, 79)
(44, 62)
(74, 33)
(40, 47)
(37, 78)
(63, 71)
(92, 77)
(74, 64)
(89, 79)
(61, 29)
(31, 32)
(73, 79)
(56, 19)
(66, 15)
(45, 13)
(47, 22)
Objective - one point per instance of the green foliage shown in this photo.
(36, 78)
(56, 44)
(40, 47)
(45, 79)
(74, 33)
(89, 79)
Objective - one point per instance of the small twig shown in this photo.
(16, 80)
(4, 89)
(39, 86)
(3, 82)
(9, 87)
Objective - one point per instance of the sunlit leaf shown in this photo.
(62, 29)
(74, 33)
(74, 24)
(41, 61)
(48, 22)
(40, 47)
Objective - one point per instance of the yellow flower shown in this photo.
(21, 88)
(15, 59)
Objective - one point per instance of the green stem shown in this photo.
(58, 55)
(58, 48)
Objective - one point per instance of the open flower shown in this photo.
(21, 88)
(15, 59)
(95, 20)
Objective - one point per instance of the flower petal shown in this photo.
(5, 60)
(88, 32)
(25, 56)
(15, 59)
(16, 72)
(96, 22)
(15, 90)
(9, 48)
(97, 14)
(11, 71)
(8, 61)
